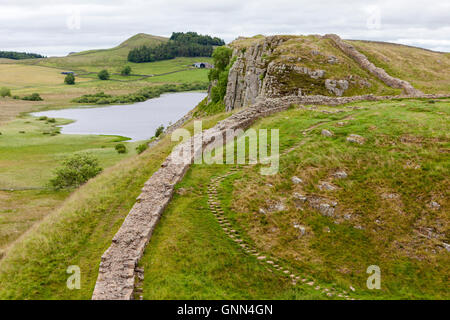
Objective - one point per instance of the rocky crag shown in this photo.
(276, 66)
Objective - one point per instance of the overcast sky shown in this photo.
(57, 27)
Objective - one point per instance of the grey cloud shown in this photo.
(28, 25)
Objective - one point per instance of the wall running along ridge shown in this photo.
(380, 73)
(117, 267)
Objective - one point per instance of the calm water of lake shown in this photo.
(136, 121)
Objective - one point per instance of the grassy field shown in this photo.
(30, 150)
(31, 147)
(383, 206)
(17, 76)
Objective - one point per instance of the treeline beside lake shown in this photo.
(181, 44)
(19, 55)
(141, 95)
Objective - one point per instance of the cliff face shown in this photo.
(277, 66)
(245, 81)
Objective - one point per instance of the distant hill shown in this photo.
(141, 39)
(181, 44)
(93, 59)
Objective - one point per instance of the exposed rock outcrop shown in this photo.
(337, 87)
(245, 80)
(278, 66)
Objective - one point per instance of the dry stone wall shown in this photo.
(117, 268)
(380, 73)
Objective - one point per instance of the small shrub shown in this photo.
(52, 120)
(43, 118)
(141, 148)
(103, 75)
(33, 97)
(121, 148)
(5, 92)
(159, 131)
(126, 71)
(16, 97)
(70, 79)
(76, 171)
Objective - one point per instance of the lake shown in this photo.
(136, 121)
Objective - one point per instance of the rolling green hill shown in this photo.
(94, 60)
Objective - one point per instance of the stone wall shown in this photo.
(117, 268)
(380, 73)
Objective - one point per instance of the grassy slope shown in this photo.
(79, 231)
(27, 160)
(426, 70)
(189, 257)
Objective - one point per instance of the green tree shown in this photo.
(126, 71)
(159, 131)
(141, 148)
(33, 97)
(121, 148)
(221, 56)
(76, 171)
(70, 79)
(222, 65)
(5, 92)
(103, 75)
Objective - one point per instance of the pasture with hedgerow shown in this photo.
(222, 165)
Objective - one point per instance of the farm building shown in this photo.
(203, 65)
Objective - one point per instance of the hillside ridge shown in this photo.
(276, 66)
